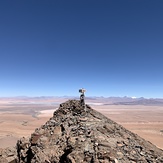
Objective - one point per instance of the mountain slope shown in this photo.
(74, 135)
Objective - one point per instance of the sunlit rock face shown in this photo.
(77, 134)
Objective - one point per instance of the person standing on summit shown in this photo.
(82, 101)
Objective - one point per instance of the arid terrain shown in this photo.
(20, 117)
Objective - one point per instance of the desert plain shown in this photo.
(20, 117)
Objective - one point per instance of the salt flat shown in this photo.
(46, 113)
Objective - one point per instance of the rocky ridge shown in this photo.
(74, 135)
(8, 155)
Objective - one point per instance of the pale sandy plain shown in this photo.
(18, 119)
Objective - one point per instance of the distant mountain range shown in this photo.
(142, 102)
(128, 101)
(104, 100)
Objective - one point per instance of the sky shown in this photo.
(55, 47)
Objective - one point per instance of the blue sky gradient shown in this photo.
(55, 47)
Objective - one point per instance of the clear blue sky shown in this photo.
(54, 47)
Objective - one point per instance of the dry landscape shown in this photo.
(19, 118)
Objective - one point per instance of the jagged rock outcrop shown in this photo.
(74, 135)
(8, 155)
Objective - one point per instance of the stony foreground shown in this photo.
(78, 135)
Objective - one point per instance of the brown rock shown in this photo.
(75, 136)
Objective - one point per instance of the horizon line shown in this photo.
(64, 96)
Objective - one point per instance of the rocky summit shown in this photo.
(77, 134)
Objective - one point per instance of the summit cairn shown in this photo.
(71, 136)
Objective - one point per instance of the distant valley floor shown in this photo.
(18, 120)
